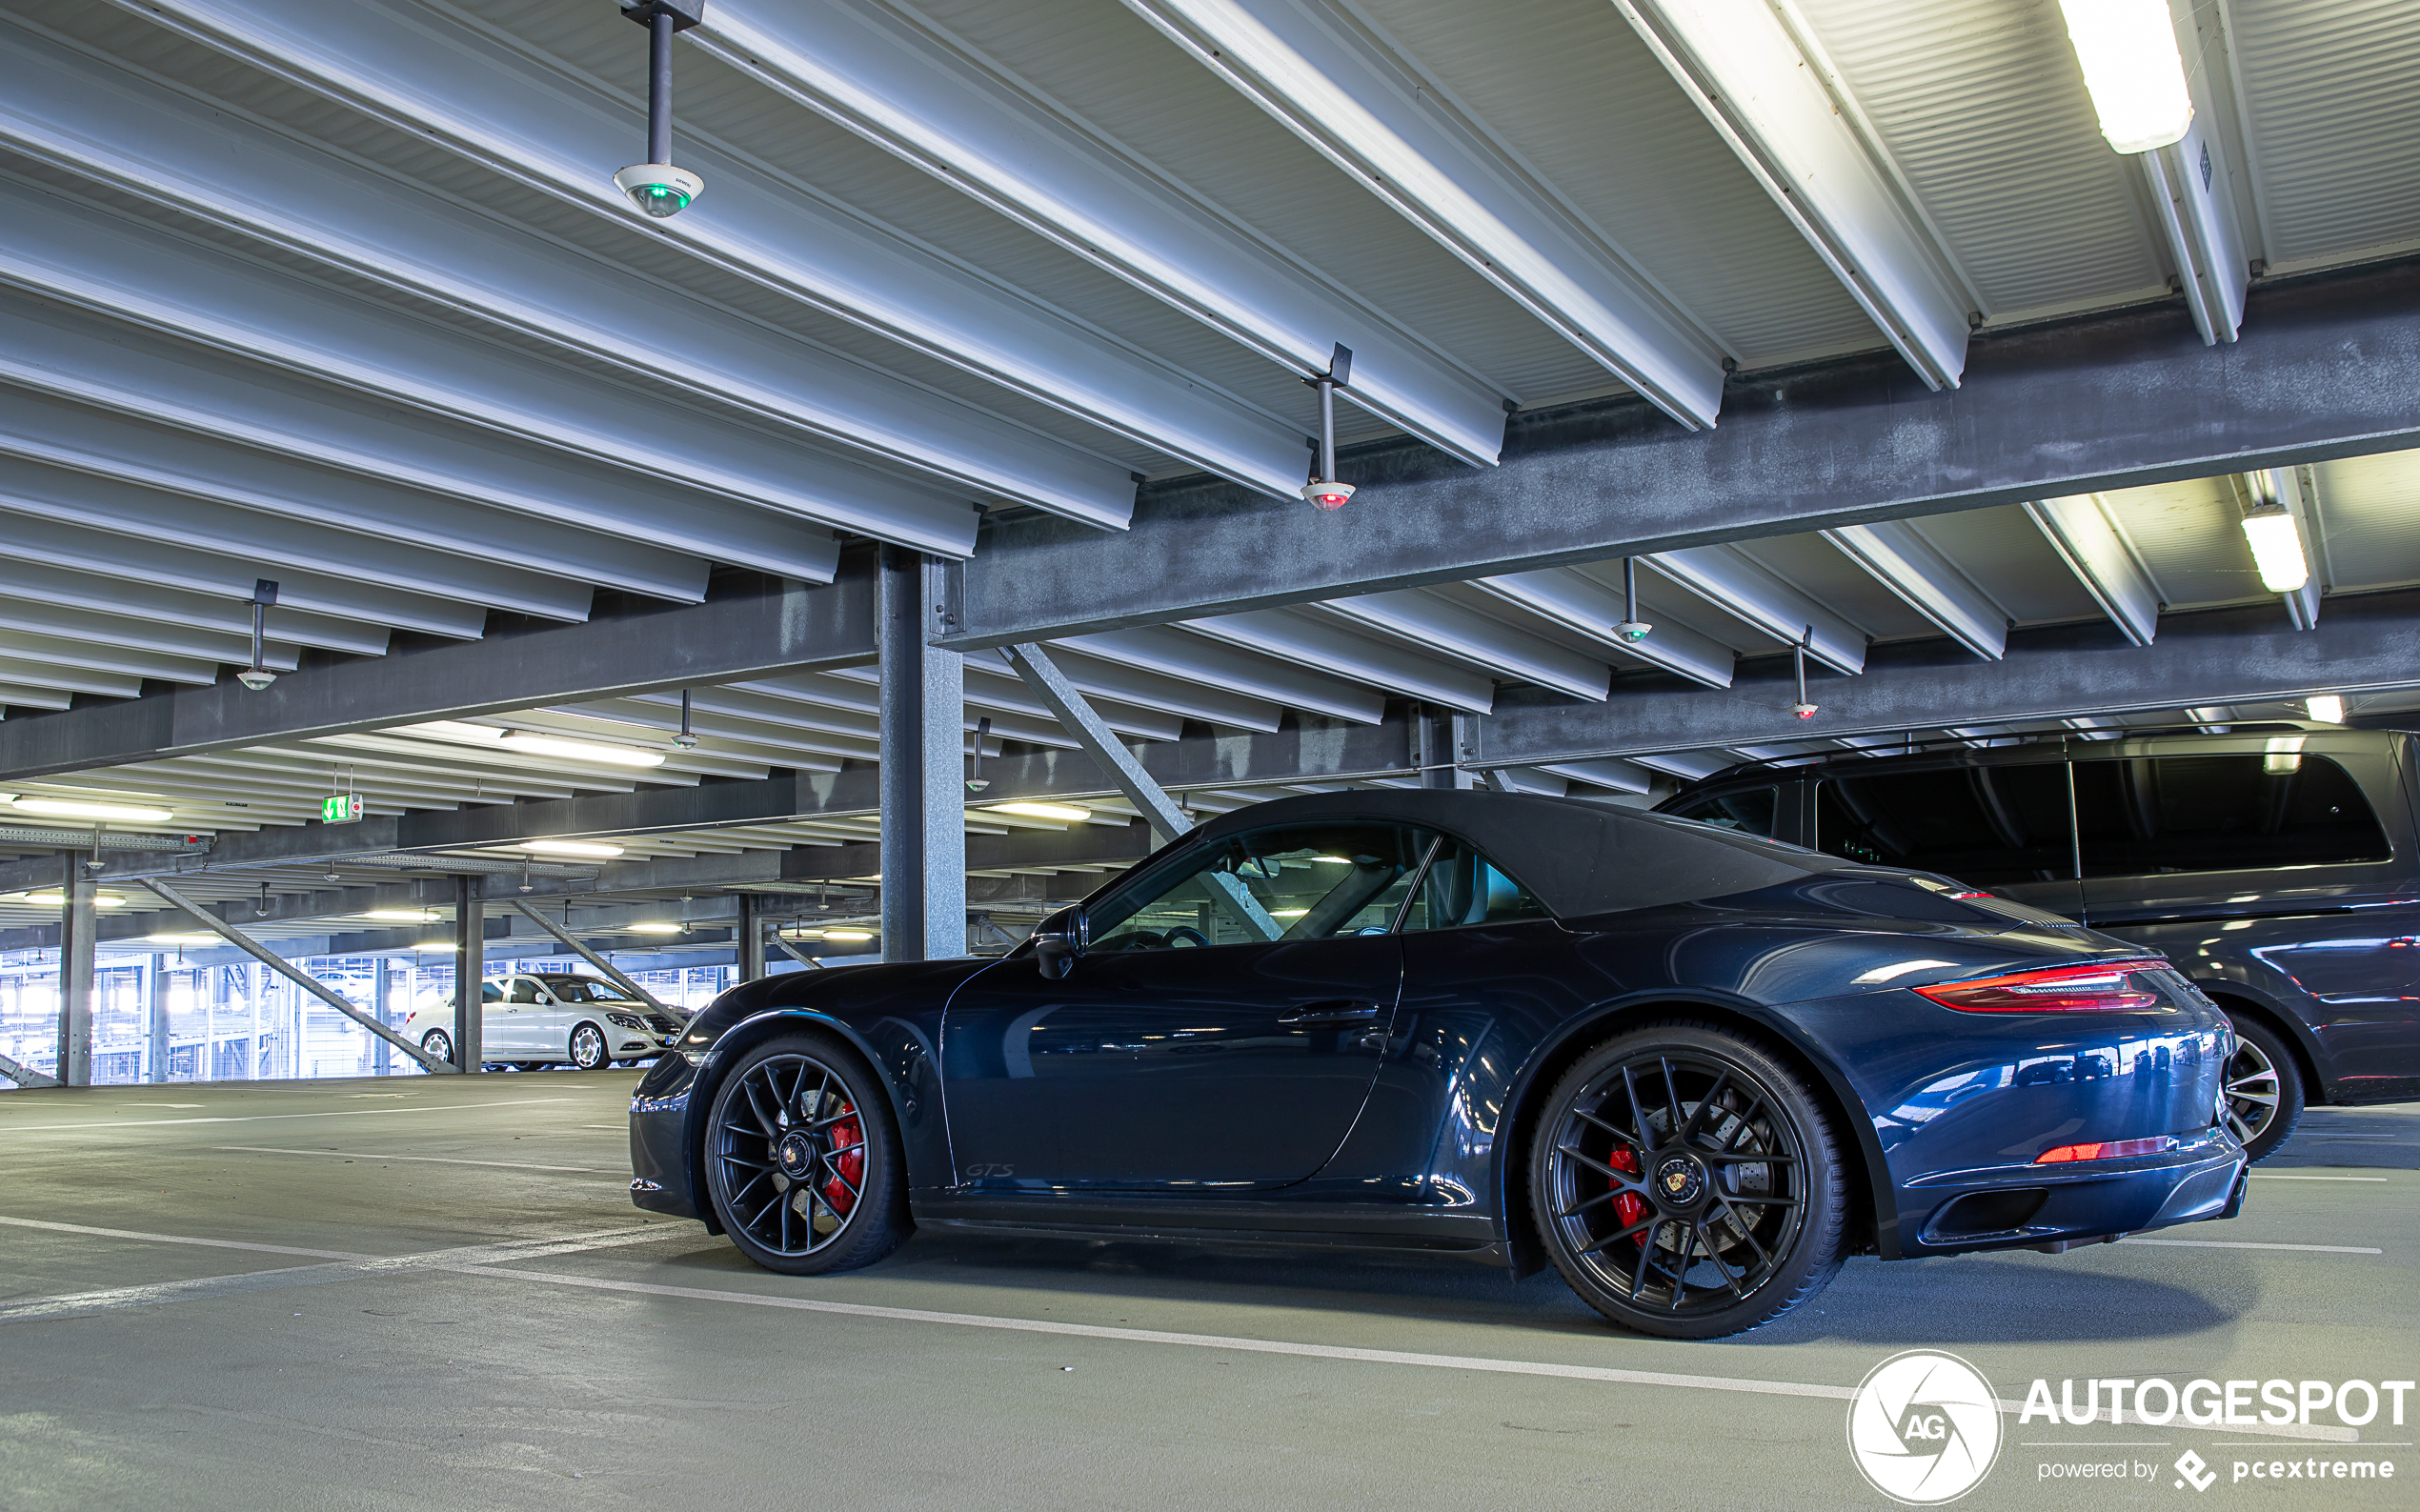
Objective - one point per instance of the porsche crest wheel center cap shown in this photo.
(1679, 1180)
(796, 1154)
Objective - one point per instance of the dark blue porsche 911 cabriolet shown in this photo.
(1691, 1070)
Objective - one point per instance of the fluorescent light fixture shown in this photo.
(585, 850)
(1063, 813)
(2127, 49)
(79, 809)
(2277, 551)
(848, 936)
(1288, 913)
(1335, 861)
(194, 937)
(400, 916)
(571, 750)
(2326, 708)
(56, 901)
(653, 926)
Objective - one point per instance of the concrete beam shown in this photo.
(2368, 642)
(2330, 367)
(779, 628)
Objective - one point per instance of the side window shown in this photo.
(1987, 825)
(1301, 881)
(1748, 810)
(1462, 887)
(2151, 814)
(490, 992)
(522, 990)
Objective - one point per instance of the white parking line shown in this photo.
(2297, 1175)
(2237, 1243)
(1273, 1346)
(429, 1160)
(180, 1239)
(257, 1118)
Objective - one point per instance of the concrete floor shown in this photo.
(361, 1294)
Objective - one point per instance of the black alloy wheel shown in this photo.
(803, 1163)
(2262, 1099)
(1686, 1183)
(587, 1048)
(438, 1044)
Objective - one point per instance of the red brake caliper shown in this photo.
(847, 1138)
(1627, 1207)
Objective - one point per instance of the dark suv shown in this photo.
(2277, 865)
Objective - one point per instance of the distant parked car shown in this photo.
(2277, 865)
(546, 1019)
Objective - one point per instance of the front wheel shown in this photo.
(439, 1044)
(587, 1048)
(1686, 1183)
(2264, 1091)
(803, 1163)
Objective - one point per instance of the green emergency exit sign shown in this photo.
(340, 808)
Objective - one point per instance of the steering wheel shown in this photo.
(1184, 934)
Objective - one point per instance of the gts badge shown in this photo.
(978, 1172)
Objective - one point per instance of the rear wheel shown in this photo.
(2264, 1088)
(803, 1163)
(1686, 1183)
(438, 1044)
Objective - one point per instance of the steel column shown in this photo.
(381, 994)
(79, 934)
(291, 973)
(923, 788)
(613, 973)
(748, 935)
(470, 970)
(156, 1018)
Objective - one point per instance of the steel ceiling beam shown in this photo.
(1170, 653)
(2087, 539)
(2368, 641)
(538, 121)
(1330, 79)
(1301, 639)
(2125, 398)
(1756, 73)
(1440, 628)
(585, 448)
(907, 86)
(92, 120)
(783, 630)
(38, 583)
(1899, 558)
(2191, 184)
(1745, 589)
(1581, 604)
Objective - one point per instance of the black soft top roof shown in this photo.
(1579, 858)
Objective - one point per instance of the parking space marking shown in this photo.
(1273, 1346)
(257, 1118)
(430, 1159)
(2297, 1175)
(181, 1239)
(2238, 1243)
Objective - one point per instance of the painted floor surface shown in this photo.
(435, 1294)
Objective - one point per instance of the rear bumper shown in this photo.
(2016, 1207)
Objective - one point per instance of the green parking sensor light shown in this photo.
(655, 188)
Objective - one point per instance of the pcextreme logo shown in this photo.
(1923, 1427)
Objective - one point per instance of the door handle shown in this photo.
(1335, 1011)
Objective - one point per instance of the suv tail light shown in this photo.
(2101, 988)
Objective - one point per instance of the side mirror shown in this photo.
(1058, 941)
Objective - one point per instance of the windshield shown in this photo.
(585, 989)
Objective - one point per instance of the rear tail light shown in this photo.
(2101, 988)
(2107, 1150)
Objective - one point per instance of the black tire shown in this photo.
(589, 1048)
(2263, 1096)
(803, 1163)
(438, 1044)
(1691, 1241)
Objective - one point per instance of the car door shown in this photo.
(511, 1021)
(1220, 1033)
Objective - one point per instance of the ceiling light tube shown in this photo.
(571, 750)
(400, 916)
(56, 901)
(586, 850)
(1062, 813)
(2127, 50)
(80, 809)
(2326, 708)
(848, 936)
(656, 926)
(2277, 550)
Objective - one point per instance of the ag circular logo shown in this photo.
(1923, 1427)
